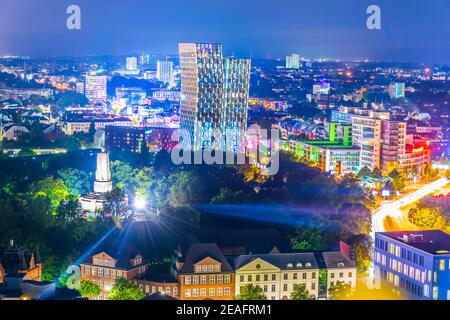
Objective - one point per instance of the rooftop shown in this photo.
(435, 242)
(283, 261)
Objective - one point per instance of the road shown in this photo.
(392, 208)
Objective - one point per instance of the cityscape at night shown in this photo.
(224, 150)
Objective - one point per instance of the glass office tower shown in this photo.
(214, 95)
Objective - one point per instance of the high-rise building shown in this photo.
(214, 96)
(293, 61)
(164, 72)
(396, 90)
(383, 141)
(132, 64)
(95, 88)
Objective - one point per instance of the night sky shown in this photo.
(412, 30)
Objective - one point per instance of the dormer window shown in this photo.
(308, 264)
(198, 268)
(290, 265)
(299, 265)
(341, 264)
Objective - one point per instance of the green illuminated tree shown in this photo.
(251, 292)
(53, 189)
(123, 174)
(340, 291)
(89, 289)
(125, 290)
(301, 293)
(77, 181)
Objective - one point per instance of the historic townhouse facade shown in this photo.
(278, 273)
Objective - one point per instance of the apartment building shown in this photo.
(278, 273)
(339, 269)
(205, 274)
(103, 268)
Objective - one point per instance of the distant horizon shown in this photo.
(413, 31)
(175, 55)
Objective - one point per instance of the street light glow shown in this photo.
(140, 202)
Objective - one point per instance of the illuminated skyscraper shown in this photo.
(95, 88)
(164, 72)
(214, 95)
(293, 61)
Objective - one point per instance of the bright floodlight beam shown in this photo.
(140, 202)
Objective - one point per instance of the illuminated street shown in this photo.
(392, 208)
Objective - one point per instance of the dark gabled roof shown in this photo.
(337, 260)
(284, 261)
(15, 259)
(147, 238)
(200, 251)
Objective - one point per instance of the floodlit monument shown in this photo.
(93, 202)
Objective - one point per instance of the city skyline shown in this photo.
(260, 30)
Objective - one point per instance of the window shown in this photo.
(187, 280)
(210, 268)
(195, 278)
(341, 275)
(258, 277)
(168, 291)
(212, 292)
(274, 277)
(147, 288)
(442, 265)
(285, 276)
(205, 268)
(265, 288)
(212, 279)
(219, 292)
(397, 251)
(313, 275)
(100, 272)
(175, 291)
(227, 291)
(106, 273)
(313, 286)
(198, 268)
(285, 287)
(350, 274)
(87, 270)
(227, 278)
(304, 275)
(274, 288)
(332, 275)
(249, 278)
(203, 279)
(241, 278)
(195, 292)
(294, 276)
(266, 277)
